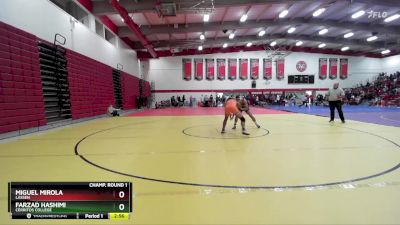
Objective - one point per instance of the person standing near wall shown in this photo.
(335, 96)
(113, 111)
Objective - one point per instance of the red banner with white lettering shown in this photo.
(221, 69)
(232, 69)
(333, 68)
(323, 68)
(280, 69)
(244, 68)
(254, 67)
(267, 68)
(210, 65)
(344, 67)
(198, 69)
(187, 69)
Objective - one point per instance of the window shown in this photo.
(99, 29)
(110, 37)
(74, 10)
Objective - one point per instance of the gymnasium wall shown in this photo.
(21, 99)
(130, 90)
(44, 19)
(90, 86)
(90, 83)
(391, 64)
(167, 74)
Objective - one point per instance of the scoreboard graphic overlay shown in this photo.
(70, 200)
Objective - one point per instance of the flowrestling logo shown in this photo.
(376, 14)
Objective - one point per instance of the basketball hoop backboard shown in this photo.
(276, 52)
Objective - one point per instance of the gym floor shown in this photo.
(296, 169)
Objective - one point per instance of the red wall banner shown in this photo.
(210, 65)
(267, 68)
(187, 69)
(232, 67)
(280, 69)
(333, 68)
(221, 69)
(323, 68)
(244, 68)
(254, 67)
(344, 66)
(198, 68)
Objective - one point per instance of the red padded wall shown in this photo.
(90, 85)
(21, 99)
(130, 90)
(146, 89)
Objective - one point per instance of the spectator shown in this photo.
(173, 101)
(113, 111)
(304, 100)
(205, 101)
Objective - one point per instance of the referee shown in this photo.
(335, 96)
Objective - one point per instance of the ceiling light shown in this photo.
(391, 18)
(122, 19)
(291, 30)
(318, 12)
(321, 45)
(273, 43)
(200, 48)
(299, 43)
(345, 48)
(243, 18)
(225, 45)
(323, 31)
(373, 38)
(202, 37)
(358, 14)
(206, 17)
(283, 13)
(385, 51)
(249, 44)
(261, 33)
(348, 35)
(231, 36)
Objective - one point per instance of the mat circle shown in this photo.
(391, 169)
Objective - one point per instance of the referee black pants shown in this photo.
(338, 106)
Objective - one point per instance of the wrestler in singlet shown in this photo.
(243, 106)
(231, 107)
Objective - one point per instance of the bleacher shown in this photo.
(33, 91)
(383, 90)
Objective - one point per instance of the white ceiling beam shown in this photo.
(102, 7)
(233, 25)
(268, 38)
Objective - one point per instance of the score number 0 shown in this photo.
(121, 194)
